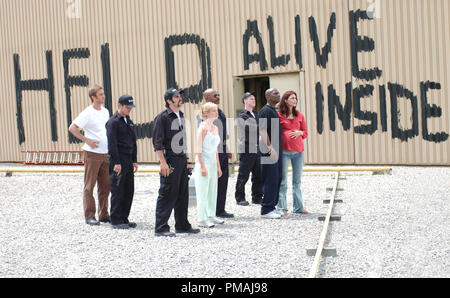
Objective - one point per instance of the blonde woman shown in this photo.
(207, 167)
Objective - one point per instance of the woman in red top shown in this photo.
(293, 132)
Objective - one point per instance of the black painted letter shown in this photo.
(70, 81)
(274, 60)
(334, 104)
(298, 42)
(361, 45)
(397, 91)
(106, 67)
(322, 56)
(358, 94)
(252, 30)
(35, 85)
(193, 93)
(430, 111)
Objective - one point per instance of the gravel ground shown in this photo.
(392, 226)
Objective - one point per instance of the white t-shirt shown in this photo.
(179, 119)
(93, 122)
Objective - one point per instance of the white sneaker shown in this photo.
(205, 224)
(216, 220)
(272, 215)
(282, 213)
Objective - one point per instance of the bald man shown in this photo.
(271, 152)
(211, 95)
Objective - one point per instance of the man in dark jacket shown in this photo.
(122, 151)
(249, 156)
(169, 142)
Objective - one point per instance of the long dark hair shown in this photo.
(283, 108)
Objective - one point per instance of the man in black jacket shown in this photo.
(122, 151)
(169, 142)
(248, 149)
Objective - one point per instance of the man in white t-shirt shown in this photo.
(96, 166)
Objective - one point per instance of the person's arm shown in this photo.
(200, 137)
(135, 165)
(303, 127)
(219, 170)
(263, 132)
(158, 138)
(163, 166)
(76, 131)
(113, 148)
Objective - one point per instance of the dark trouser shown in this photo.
(122, 190)
(173, 194)
(249, 162)
(222, 184)
(271, 181)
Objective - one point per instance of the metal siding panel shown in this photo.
(411, 41)
(408, 51)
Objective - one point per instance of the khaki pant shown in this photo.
(96, 170)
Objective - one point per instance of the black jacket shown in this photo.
(121, 138)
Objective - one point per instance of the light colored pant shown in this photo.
(296, 159)
(206, 191)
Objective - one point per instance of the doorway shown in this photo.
(257, 86)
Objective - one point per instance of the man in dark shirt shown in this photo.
(122, 151)
(169, 142)
(271, 150)
(211, 95)
(249, 159)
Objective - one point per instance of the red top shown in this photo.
(287, 126)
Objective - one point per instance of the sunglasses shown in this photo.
(216, 95)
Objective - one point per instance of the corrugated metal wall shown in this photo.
(403, 45)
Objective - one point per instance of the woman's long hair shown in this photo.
(283, 108)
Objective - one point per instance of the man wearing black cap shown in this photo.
(122, 151)
(249, 158)
(169, 142)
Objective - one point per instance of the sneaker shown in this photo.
(271, 215)
(283, 213)
(205, 224)
(216, 220)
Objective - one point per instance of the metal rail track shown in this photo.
(321, 250)
(323, 236)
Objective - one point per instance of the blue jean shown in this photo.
(296, 159)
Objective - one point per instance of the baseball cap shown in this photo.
(171, 93)
(127, 100)
(247, 94)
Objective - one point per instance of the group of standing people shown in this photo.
(268, 140)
